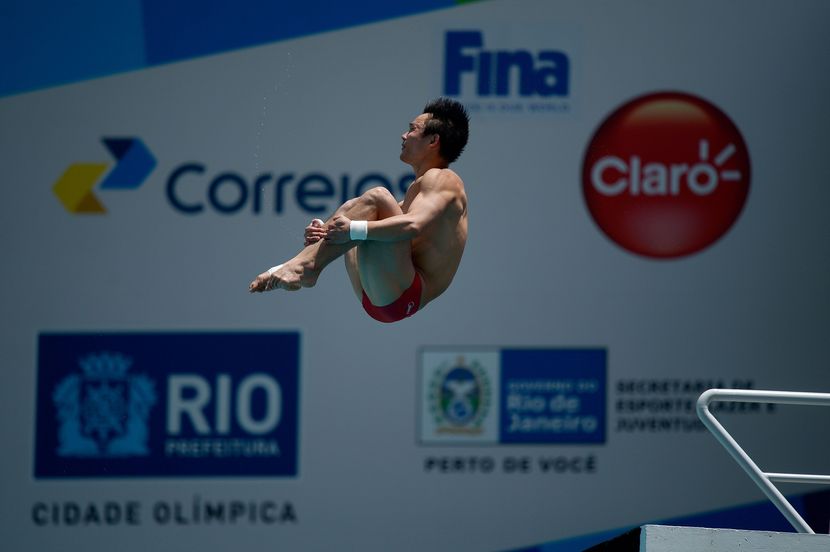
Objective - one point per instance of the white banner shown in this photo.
(646, 188)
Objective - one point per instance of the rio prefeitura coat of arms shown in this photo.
(102, 410)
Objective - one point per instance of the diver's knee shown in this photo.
(379, 196)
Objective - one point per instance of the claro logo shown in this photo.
(666, 175)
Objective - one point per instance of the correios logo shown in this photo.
(75, 188)
(195, 188)
(666, 175)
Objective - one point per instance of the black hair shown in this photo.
(449, 120)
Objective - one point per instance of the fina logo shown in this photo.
(460, 397)
(514, 80)
(102, 411)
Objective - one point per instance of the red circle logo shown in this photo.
(666, 175)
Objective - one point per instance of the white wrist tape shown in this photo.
(274, 269)
(358, 229)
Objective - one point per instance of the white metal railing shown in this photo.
(762, 479)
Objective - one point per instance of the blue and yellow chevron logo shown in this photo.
(75, 187)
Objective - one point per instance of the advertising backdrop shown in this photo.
(647, 185)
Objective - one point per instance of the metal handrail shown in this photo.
(762, 479)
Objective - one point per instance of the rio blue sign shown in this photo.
(167, 404)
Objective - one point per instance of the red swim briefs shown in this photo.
(404, 306)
